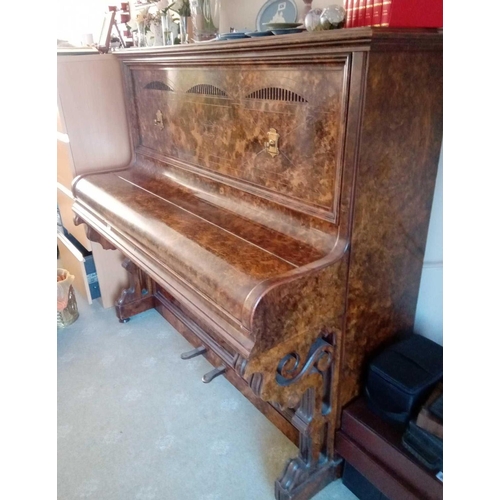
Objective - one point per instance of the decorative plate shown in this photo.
(235, 35)
(288, 31)
(281, 26)
(258, 34)
(231, 36)
(276, 12)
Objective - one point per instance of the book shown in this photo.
(355, 8)
(361, 12)
(368, 12)
(411, 14)
(430, 417)
(348, 15)
(385, 15)
(377, 13)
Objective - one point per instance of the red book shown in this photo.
(368, 12)
(377, 13)
(386, 12)
(412, 14)
(348, 13)
(361, 13)
(355, 7)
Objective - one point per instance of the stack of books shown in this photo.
(394, 13)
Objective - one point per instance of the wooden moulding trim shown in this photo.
(249, 48)
(275, 57)
(347, 39)
(224, 325)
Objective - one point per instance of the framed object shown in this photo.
(107, 26)
(276, 11)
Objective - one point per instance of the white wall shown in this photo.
(429, 319)
(75, 18)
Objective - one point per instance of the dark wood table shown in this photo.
(373, 447)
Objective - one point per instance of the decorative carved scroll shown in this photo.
(304, 380)
(319, 357)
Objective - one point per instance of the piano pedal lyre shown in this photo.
(208, 377)
(193, 353)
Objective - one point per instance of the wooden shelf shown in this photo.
(373, 447)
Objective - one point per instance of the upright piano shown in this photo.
(275, 212)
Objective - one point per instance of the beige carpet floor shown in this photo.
(136, 422)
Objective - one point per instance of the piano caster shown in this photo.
(124, 320)
(195, 352)
(208, 377)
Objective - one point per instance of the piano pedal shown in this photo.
(195, 352)
(208, 377)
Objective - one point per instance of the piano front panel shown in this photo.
(219, 119)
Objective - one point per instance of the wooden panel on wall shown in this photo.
(60, 122)
(65, 202)
(64, 162)
(72, 260)
(92, 103)
(113, 278)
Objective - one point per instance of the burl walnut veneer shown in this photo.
(276, 212)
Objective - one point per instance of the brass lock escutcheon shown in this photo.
(271, 144)
(159, 120)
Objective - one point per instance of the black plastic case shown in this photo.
(402, 376)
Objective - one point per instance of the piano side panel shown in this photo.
(396, 173)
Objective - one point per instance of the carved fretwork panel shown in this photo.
(276, 94)
(218, 119)
(156, 85)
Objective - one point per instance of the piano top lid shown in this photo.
(356, 39)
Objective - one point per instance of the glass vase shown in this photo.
(183, 29)
(156, 29)
(141, 35)
(166, 26)
(205, 15)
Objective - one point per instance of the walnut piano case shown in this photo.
(276, 212)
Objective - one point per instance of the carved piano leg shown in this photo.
(138, 297)
(306, 387)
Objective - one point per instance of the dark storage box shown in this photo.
(401, 377)
(424, 446)
(359, 484)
